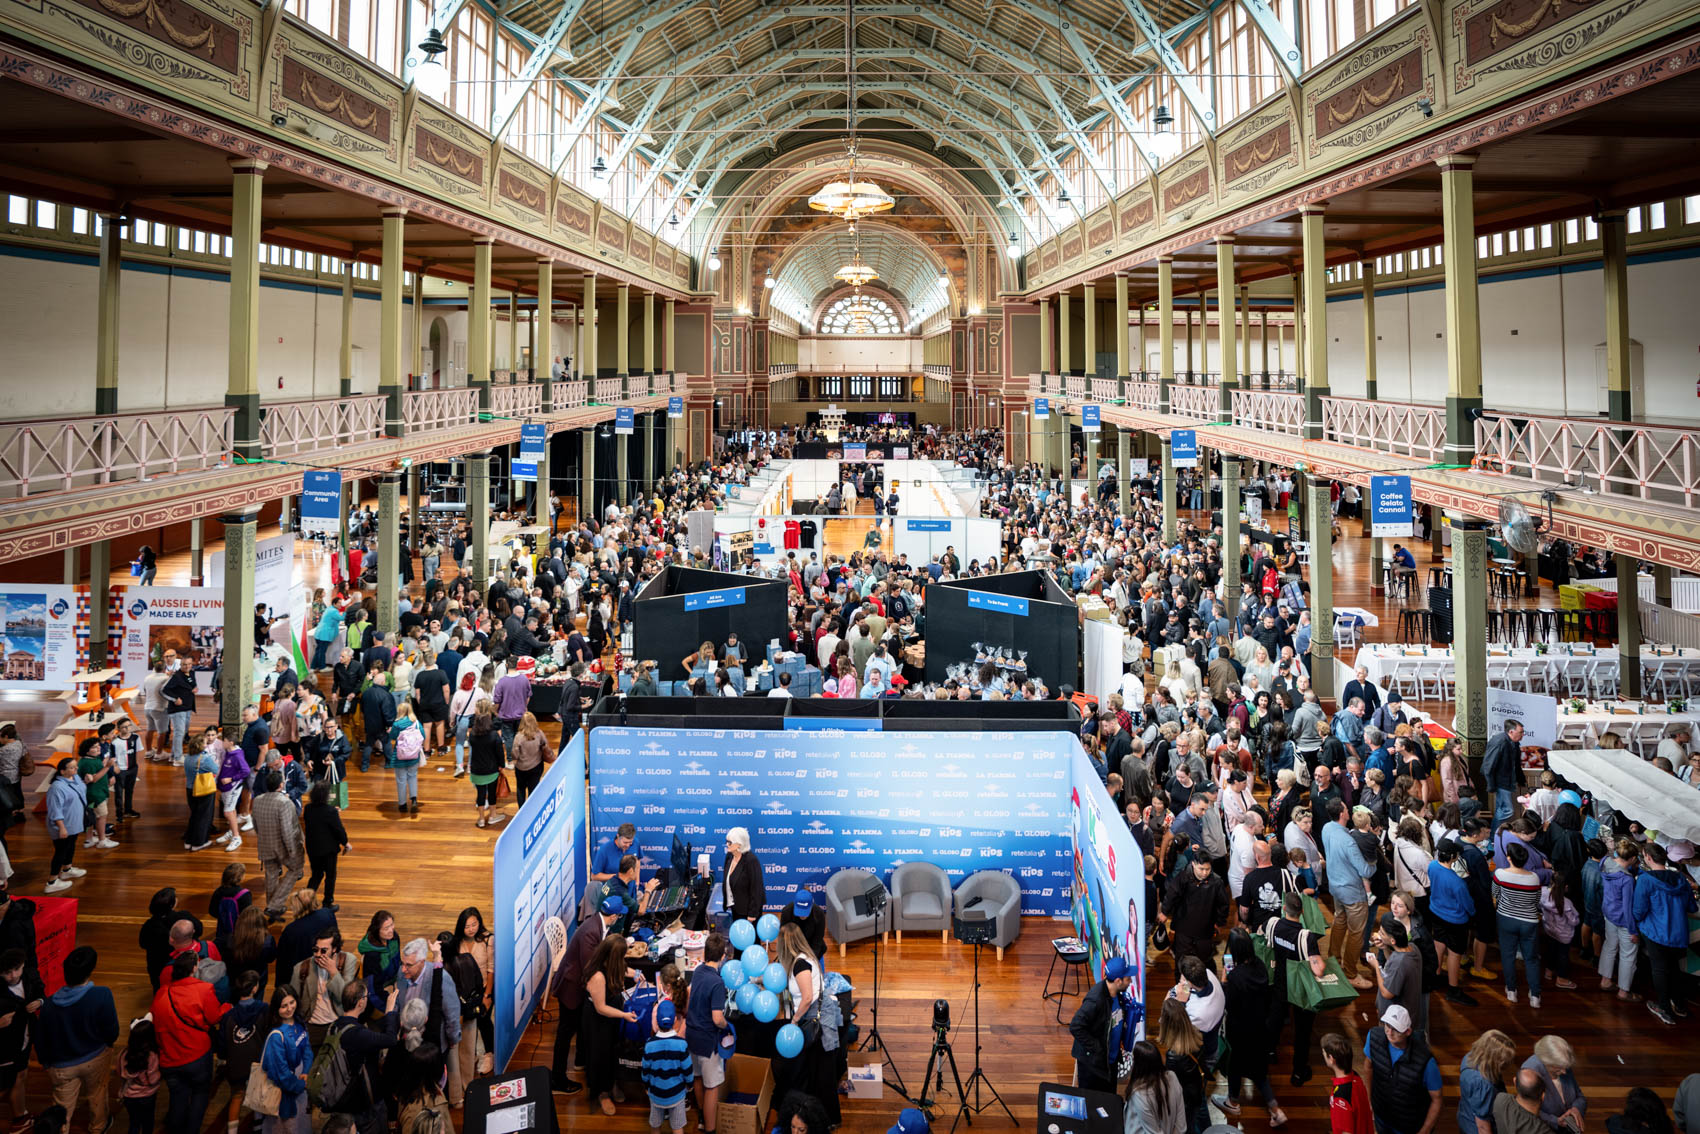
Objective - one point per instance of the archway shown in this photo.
(438, 340)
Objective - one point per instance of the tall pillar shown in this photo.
(1298, 331)
(667, 342)
(236, 677)
(513, 337)
(100, 588)
(243, 392)
(1045, 363)
(1065, 353)
(1144, 349)
(1089, 308)
(389, 552)
(1165, 333)
(1370, 349)
(1230, 348)
(649, 332)
(541, 491)
(284, 507)
(1377, 559)
(1170, 528)
(1662, 583)
(73, 573)
(587, 471)
(1263, 318)
(389, 342)
(416, 363)
(478, 513)
(345, 355)
(622, 344)
(1614, 256)
(622, 467)
(1628, 626)
(1191, 371)
(1316, 323)
(1124, 471)
(1230, 530)
(415, 526)
(1463, 314)
(197, 552)
(478, 325)
(589, 313)
(1243, 330)
(1321, 587)
(107, 311)
(1122, 370)
(531, 340)
(582, 331)
(1469, 642)
(543, 341)
(649, 451)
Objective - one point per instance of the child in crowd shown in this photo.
(1593, 897)
(1544, 801)
(1302, 872)
(1619, 944)
(1559, 920)
(1348, 1100)
(666, 1071)
(139, 1071)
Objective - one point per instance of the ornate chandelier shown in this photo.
(855, 273)
(847, 197)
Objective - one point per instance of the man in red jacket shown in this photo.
(1348, 1099)
(186, 1012)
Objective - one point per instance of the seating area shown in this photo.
(919, 898)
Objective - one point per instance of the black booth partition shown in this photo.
(682, 607)
(792, 712)
(1023, 611)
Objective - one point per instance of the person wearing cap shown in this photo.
(1096, 1027)
(910, 1121)
(810, 918)
(1392, 714)
(1673, 746)
(1404, 1079)
(667, 1070)
(568, 988)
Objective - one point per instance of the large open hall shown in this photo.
(1078, 566)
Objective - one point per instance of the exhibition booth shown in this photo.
(682, 607)
(1023, 623)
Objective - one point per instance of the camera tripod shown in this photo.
(978, 1080)
(876, 1042)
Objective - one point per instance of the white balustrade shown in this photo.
(440, 409)
(523, 400)
(289, 429)
(570, 393)
(1198, 402)
(60, 455)
(1143, 395)
(1267, 410)
(1103, 390)
(1408, 429)
(1075, 386)
(1655, 463)
(607, 391)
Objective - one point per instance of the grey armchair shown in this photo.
(842, 920)
(920, 893)
(1000, 901)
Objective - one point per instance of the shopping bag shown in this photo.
(1305, 990)
(1314, 918)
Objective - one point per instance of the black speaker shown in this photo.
(973, 928)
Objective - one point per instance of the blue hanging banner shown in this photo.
(1041, 408)
(1183, 448)
(533, 436)
(926, 525)
(321, 501)
(1003, 604)
(1390, 506)
(832, 724)
(709, 600)
(675, 407)
(623, 420)
(1089, 419)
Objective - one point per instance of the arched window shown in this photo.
(860, 315)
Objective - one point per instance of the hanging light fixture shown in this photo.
(431, 77)
(1165, 142)
(1014, 249)
(673, 219)
(769, 283)
(847, 197)
(714, 260)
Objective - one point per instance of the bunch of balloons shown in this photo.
(753, 980)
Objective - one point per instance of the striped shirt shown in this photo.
(666, 1069)
(1517, 894)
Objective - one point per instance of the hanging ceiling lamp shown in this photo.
(431, 78)
(855, 273)
(1165, 141)
(848, 197)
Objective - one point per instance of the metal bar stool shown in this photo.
(1072, 962)
(1414, 620)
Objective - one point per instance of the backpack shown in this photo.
(410, 745)
(214, 972)
(330, 1083)
(228, 910)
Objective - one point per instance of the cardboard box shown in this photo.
(867, 1076)
(749, 1077)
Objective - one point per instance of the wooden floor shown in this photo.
(425, 869)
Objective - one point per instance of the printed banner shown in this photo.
(540, 866)
(1539, 716)
(274, 572)
(855, 452)
(1089, 419)
(1108, 898)
(189, 620)
(623, 420)
(710, 600)
(1183, 448)
(321, 501)
(1390, 506)
(926, 525)
(675, 407)
(815, 803)
(1139, 468)
(533, 436)
(1041, 408)
(38, 635)
(1005, 604)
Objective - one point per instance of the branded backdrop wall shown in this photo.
(189, 620)
(815, 803)
(540, 866)
(1108, 903)
(38, 636)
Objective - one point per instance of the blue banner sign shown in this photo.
(709, 600)
(926, 525)
(623, 420)
(533, 436)
(1089, 419)
(1109, 879)
(1041, 407)
(321, 501)
(675, 407)
(1003, 604)
(817, 802)
(1390, 506)
(832, 724)
(1183, 448)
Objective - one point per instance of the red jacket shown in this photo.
(1348, 1106)
(184, 1015)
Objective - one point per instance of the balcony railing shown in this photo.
(523, 400)
(1142, 395)
(42, 456)
(1103, 390)
(1074, 386)
(1197, 402)
(607, 391)
(289, 429)
(1408, 429)
(1659, 464)
(571, 393)
(440, 409)
(1267, 410)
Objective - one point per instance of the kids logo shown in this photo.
(59, 609)
(139, 608)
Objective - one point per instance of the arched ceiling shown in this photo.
(905, 268)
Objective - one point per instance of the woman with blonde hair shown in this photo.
(1183, 1053)
(532, 756)
(810, 1071)
(1481, 1076)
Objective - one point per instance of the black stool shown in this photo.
(1072, 963)
(1414, 621)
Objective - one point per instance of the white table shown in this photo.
(1557, 670)
(1639, 728)
(1358, 612)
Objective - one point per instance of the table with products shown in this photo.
(1638, 724)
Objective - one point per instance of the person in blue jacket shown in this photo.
(1663, 902)
(286, 1059)
(1451, 909)
(67, 797)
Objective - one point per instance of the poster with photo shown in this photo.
(38, 636)
(1108, 898)
(184, 622)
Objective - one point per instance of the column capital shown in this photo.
(1313, 210)
(482, 240)
(1614, 216)
(247, 165)
(394, 211)
(1165, 259)
(1455, 162)
(623, 285)
(1226, 241)
(542, 260)
(239, 518)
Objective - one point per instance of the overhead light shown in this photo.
(431, 78)
(1165, 142)
(432, 45)
(769, 283)
(851, 199)
(944, 279)
(1062, 199)
(714, 261)
(1014, 249)
(673, 220)
(599, 169)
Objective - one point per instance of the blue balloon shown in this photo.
(789, 1041)
(767, 928)
(755, 961)
(746, 997)
(773, 977)
(743, 934)
(734, 977)
(766, 1005)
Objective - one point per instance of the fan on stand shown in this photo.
(1522, 530)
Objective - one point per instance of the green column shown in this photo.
(1230, 530)
(243, 391)
(591, 363)
(1170, 528)
(1316, 322)
(622, 341)
(513, 337)
(1469, 638)
(1321, 587)
(416, 360)
(1089, 309)
(1463, 312)
(1614, 258)
(389, 552)
(622, 467)
(587, 474)
(73, 573)
(1122, 371)
(237, 675)
(1065, 352)
(649, 451)
(478, 513)
(543, 336)
(414, 529)
(1165, 334)
(390, 275)
(1662, 573)
(1044, 335)
(667, 341)
(345, 353)
(1628, 626)
(1124, 471)
(649, 332)
(107, 311)
(478, 324)
(1230, 353)
(1298, 330)
(1369, 329)
(100, 588)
